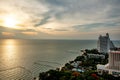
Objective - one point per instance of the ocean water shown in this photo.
(24, 59)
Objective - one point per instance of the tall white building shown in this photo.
(104, 44)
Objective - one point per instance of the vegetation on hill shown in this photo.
(84, 63)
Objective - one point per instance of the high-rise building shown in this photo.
(113, 66)
(114, 60)
(104, 44)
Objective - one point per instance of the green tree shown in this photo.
(80, 58)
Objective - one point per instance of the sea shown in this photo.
(23, 59)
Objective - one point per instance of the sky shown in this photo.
(59, 19)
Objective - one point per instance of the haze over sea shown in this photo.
(40, 55)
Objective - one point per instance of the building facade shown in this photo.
(113, 66)
(114, 60)
(104, 44)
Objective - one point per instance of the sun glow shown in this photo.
(10, 21)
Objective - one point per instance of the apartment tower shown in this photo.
(104, 44)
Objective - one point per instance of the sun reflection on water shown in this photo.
(9, 49)
(10, 67)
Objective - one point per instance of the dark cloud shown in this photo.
(90, 27)
(43, 21)
(55, 2)
(84, 9)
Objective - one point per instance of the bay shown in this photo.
(23, 57)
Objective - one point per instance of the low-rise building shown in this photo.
(96, 56)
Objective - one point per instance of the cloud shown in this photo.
(27, 11)
(83, 10)
(89, 27)
(9, 34)
(25, 34)
(60, 30)
(29, 33)
(72, 17)
(43, 21)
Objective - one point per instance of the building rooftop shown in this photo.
(117, 52)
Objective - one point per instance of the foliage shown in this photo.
(92, 51)
(60, 75)
(110, 77)
(89, 64)
(68, 66)
(80, 58)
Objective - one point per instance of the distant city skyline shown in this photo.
(59, 19)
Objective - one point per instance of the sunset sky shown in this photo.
(59, 19)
